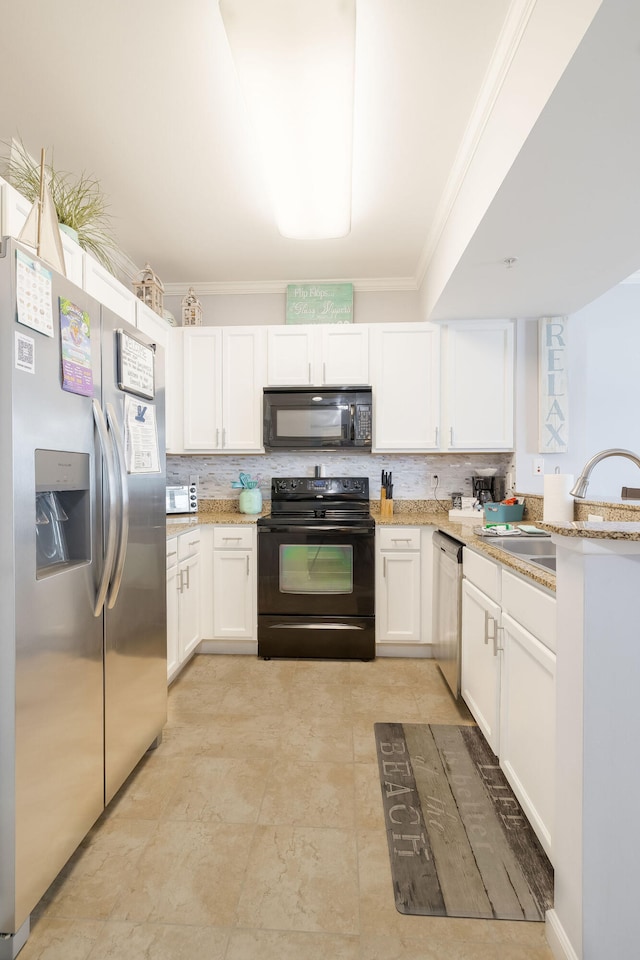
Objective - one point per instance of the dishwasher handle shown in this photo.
(448, 545)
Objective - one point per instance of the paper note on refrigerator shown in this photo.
(33, 294)
(142, 454)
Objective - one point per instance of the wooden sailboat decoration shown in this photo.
(41, 226)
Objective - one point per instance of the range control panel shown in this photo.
(292, 488)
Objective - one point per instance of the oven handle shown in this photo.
(314, 626)
(318, 528)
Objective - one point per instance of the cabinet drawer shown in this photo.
(172, 552)
(188, 544)
(232, 538)
(530, 606)
(399, 538)
(484, 573)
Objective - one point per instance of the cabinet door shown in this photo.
(479, 385)
(102, 285)
(398, 605)
(242, 383)
(527, 726)
(189, 574)
(480, 683)
(173, 655)
(290, 356)
(344, 354)
(202, 364)
(233, 589)
(405, 378)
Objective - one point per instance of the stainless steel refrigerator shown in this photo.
(83, 679)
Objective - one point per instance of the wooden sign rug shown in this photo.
(459, 843)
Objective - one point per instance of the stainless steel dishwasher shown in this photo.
(447, 603)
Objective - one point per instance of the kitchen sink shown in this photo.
(541, 552)
(522, 546)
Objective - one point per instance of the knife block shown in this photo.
(386, 507)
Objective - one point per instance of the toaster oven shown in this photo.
(182, 499)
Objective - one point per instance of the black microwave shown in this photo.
(315, 418)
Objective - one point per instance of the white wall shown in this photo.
(387, 306)
(604, 394)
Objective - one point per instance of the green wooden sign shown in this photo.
(319, 303)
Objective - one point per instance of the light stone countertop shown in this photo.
(408, 513)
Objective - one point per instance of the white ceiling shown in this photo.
(143, 95)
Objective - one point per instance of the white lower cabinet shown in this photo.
(183, 599)
(234, 583)
(398, 582)
(508, 681)
(528, 702)
(480, 680)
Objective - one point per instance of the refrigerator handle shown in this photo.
(123, 539)
(110, 545)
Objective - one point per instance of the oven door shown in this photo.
(316, 570)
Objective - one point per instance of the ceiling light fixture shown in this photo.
(295, 63)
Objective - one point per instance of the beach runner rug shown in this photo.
(459, 843)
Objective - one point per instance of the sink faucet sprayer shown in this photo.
(579, 489)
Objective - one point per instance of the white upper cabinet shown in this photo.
(478, 377)
(405, 363)
(221, 379)
(344, 355)
(106, 288)
(14, 209)
(329, 354)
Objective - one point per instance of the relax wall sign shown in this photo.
(553, 416)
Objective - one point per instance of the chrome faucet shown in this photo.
(579, 489)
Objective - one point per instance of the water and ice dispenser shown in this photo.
(63, 510)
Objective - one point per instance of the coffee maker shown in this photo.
(488, 489)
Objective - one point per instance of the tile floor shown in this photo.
(255, 831)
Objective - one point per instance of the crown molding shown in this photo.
(240, 287)
(513, 29)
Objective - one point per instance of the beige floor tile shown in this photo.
(315, 738)
(276, 945)
(430, 948)
(301, 878)
(316, 794)
(189, 873)
(396, 704)
(220, 789)
(88, 886)
(442, 708)
(309, 700)
(253, 699)
(61, 939)
(120, 940)
(369, 808)
(256, 830)
(145, 793)
(257, 736)
(323, 671)
(364, 741)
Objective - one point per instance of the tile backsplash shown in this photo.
(411, 473)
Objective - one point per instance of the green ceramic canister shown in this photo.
(251, 500)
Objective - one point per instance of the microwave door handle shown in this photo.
(110, 474)
(124, 507)
(352, 409)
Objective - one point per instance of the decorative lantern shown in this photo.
(191, 310)
(149, 289)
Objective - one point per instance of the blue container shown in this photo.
(503, 512)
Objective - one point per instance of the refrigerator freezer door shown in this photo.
(135, 625)
(51, 719)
